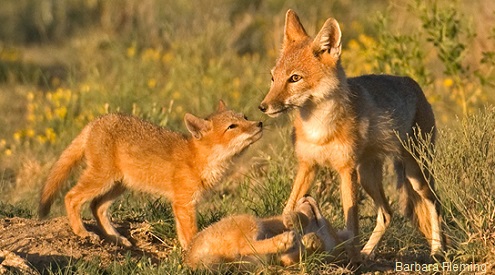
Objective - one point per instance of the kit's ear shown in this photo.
(196, 126)
(221, 106)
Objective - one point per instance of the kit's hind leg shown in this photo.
(89, 186)
(285, 244)
(99, 207)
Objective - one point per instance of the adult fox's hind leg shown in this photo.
(371, 176)
(99, 207)
(426, 212)
(422, 202)
(89, 186)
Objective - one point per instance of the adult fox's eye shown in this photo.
(295, 78)
(232, 126)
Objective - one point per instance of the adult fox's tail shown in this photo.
(420, 203)
(59, 173)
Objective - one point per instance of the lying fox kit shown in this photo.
(244, 241)
(124, 152)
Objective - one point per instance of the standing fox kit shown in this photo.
(351, 125)
(124, 152)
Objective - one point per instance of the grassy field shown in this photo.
(63, 65)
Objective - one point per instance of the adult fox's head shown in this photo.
(307, 69)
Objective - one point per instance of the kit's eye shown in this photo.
(295, 78)
(232, 126)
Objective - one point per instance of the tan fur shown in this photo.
(245, 241)
(124, 152)
(351, 125)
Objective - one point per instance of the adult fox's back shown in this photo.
(70, 157)
(399, 98)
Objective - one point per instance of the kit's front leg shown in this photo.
(185, 220)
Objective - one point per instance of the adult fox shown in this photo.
(351, 125)
(124, 152)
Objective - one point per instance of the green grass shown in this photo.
(184, 59)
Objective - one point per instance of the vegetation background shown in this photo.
(65, 62)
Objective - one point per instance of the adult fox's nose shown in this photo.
(263, 107)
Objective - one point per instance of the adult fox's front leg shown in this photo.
(349, 196)
(304, 179)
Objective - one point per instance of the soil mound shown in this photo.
(27, 245)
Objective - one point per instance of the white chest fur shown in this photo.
(319, 122)
(331, 154)
(318, 140)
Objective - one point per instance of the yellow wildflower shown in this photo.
(448, 82)
(236, 82)
(9, 54)
(48, 113)
(85, 88)
(18, 135)
(207, 81)
(131, 51)
(151, 54)
(50, 135)
(236, 94)
(353, 45)
(176, 95)
(30, 96)
(41, 139)
(367, 41)
(61, 112)
(30, 133)
(167, 57)
(151, 83)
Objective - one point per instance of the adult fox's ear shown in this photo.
(196, 126)
(221, 106)
(328, 40)
(294, 30)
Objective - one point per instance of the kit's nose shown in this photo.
(262, 107)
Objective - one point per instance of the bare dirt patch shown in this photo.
(29, 244)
